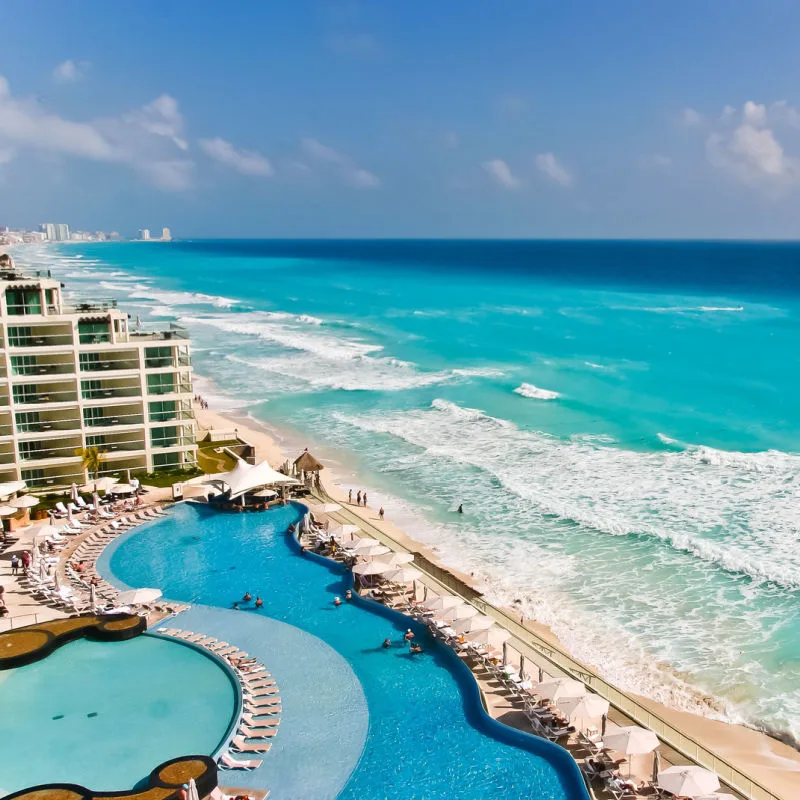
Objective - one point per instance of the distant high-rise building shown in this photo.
(49, 231)
(166, 235)
(114, 236)
(145, 234)
(100, 236)
(62, 232)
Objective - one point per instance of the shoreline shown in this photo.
(767, 760)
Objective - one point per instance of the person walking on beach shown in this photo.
(365, 499)
(14, 564)
(358, 498)
(350, 497)
(380, 513)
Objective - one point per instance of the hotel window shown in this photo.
(96, 440)
(30, 450)
(93, 332)
(156, 357)
(19, 336)
(23, 301)
(50, 300)
(163, 460)
(163, 410)
(33, 477)
(161, 383)
(89, 361)
(93, 417)
(27, 421)
(25, 393)
(164, 437)
(21, 365)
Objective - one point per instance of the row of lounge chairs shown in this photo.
(260, 718)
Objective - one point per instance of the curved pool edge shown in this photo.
(549, 751)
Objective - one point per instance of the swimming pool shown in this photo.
(104, 714)
(428, 736)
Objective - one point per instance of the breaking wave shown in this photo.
(535, 393)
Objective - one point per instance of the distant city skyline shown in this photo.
(60, 232)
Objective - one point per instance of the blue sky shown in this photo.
(541, 119)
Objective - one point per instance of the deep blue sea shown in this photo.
(619, 420)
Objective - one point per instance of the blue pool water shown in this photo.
(427, 735)
(105, 714)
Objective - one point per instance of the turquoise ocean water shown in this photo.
(619, 420)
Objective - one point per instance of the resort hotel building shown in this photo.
(75, 375)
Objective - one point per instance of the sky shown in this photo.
(402, 118)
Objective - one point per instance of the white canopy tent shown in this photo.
(10, 488)
(244, 478)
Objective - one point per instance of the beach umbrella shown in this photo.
(656, 765)
(462, 611)
(396, 559)
(493, 636)
(95, 500)
(99, 485)
(685, 781)
(136, 596)
(403, 575)
(307, 463)
(121, 488)
(477, 623)
(26, 501)
(589, 706)
(556, 688)
(324, 508)
(374, 550)
(265, 494)
(343, 530)
(92, 597)
(444, 601)
(632, 741)
(371, 568)
(363, 543)
(73, 493)
(7, 511)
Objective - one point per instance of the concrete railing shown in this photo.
(669, 734)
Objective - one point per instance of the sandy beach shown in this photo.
(772, 763)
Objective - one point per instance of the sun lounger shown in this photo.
(258, 711)
(239, 745)
(257, 733)
(254, 721)
(227, 761)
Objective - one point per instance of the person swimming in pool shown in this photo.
(337, 601)
(409, 635)
(348, 595)
(236, 606)
(415, 648)
(387, 642)
(259, 602)
(247, 597)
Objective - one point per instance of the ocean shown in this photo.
(619, 420)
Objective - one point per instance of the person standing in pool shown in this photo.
(259, 602)
(247, 597)
(387, 642)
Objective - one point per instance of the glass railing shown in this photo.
(53, 481)
(7, 458)
(6, 430)
(35, 340)
(158, 363)
(110, 394)
(126, 445)
(107, 366)
(153, 333)
(114, 419)
(43, 369)
(39, 453)
(94, 338)
(47, 425)
(39, 396)
(170, 416)
(88, 306)
(173, 441)
(23, 309)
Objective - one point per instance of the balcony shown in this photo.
(173, 441)
(175, 387)
(102, 418)
(36, 339)
(109, 362)
(25, 366)
(47, 450)
(110, 391)
(27, 423)
(90, 306)
(43, 394)
(119, 443)
(148, 333)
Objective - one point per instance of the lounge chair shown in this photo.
(264, 732)
(227, 761)
(254, 721)
(239, 745)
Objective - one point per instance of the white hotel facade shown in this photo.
(77, 375)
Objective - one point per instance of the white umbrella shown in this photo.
(95, 500)
(325, 508)
(590, 706)
(192, 794)
(7, 511)
(134, 596)
(73, 493)
(343, 530)
(375, 550)
(121, 488)
(462, 611)
(444, 601)
(557, 688)
(92, 597)
(396, 559)
(478, 623)
(688, 781)
(26, 501)
(364, 543)
(404, 575)
(493, 636)
(265, 493)
(99, 485)
(372, 568)
(631, 740)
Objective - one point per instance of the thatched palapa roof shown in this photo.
(307, 463)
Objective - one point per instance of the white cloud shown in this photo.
(690, 118)
(248, 162)
(69, 71)
(344, 166)
(148, 140)
(747, 146)
(501, 173)
(550, 166)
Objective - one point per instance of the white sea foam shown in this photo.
(182, 298)
(535, 393)
(691, 530)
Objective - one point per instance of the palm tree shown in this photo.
(92, 459)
